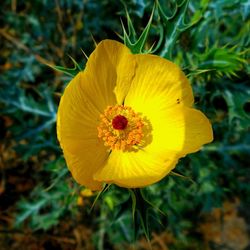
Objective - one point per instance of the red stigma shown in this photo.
(119, 122)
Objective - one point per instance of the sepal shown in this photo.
(68, 71)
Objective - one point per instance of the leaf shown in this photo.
(236, 102)
(175, 24)
(68, 71)
(224, 61)
(136, 45)
(28, 209)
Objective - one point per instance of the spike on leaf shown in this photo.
(105, 188)
(68, 71)
(130, 37)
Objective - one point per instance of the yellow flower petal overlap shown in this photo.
(127, 119)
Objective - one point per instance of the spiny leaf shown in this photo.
(175, 24)
(131, 29)
(71, 72)
(172, 25)
(68, 71)
(224, 61)
(236, 102)
(130, 37)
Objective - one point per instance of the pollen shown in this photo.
(121, 128)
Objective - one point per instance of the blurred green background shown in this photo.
(41, 207)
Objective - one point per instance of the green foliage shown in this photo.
(208, 39)
(173, 25)
(47, 205)
(170, 24)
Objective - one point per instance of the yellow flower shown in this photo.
(127, 119)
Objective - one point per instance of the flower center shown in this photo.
(121, 128)
(120, 122)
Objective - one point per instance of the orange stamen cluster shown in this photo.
(120, 128)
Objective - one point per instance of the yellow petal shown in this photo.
(77, 116)
(105, 81)
(85, 161)
(161, 92)
(134, 169)
(77, 119)
(109, 72)
(158, 83)
(179, 131)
